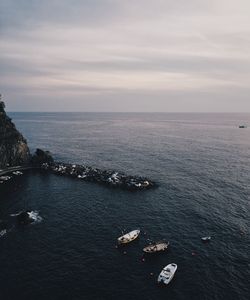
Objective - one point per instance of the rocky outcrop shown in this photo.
(14, 150)
(109, 178)
(25, 218)
(41, 157)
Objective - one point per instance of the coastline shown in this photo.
(6, 171)
(110, 178)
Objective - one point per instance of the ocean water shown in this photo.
(202, 165)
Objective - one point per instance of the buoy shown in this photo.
(151, 274)
(124, 252)
(193, 253)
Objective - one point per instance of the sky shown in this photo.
(124, 55)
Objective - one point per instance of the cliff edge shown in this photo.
(14, 150)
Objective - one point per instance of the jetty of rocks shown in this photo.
(106, 177)
(15, 157)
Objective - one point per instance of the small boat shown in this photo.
(17, 173)
(5, 178)
(167, 274)
(242, 126)
(128, 237)
(206, 238)
(156, 247)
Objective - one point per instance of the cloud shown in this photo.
(79, 50)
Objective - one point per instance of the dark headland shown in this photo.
(15, 155)
(14, 150)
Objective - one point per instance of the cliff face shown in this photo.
(14, 150)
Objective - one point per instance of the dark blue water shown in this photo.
(202, 165)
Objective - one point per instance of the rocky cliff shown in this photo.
(14, 150)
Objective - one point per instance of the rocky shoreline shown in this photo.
(107, 177)
(15, 156)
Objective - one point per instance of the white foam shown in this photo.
(34, 214)
(17, 214)
(3, 232)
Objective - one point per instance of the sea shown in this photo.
(201, 164)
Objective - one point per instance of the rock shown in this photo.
(107, 177)
(40, 157)
(24, 218)
(2, 105)
(14, 150)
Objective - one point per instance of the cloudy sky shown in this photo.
(124, 55)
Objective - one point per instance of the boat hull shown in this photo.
(128, 237)
(206, 239)
(167, 274)
(157, 247)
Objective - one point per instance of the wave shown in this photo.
(16, 214)
(3, 232)
(34, 214)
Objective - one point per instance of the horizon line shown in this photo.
(126, 112)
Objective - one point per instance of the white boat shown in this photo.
(17, 173)
(156, 247)
(81, 176)
(5, 178)
(206, 238)
(167, 274)
(128, 237)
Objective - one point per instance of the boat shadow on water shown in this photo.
(129, 246)
(156, 255)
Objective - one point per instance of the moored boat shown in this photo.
(206, 238)
(167, 274)
(17, 173)
(5, 178)
(156, 247)
(128, 237)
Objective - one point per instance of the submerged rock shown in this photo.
(25, 218)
